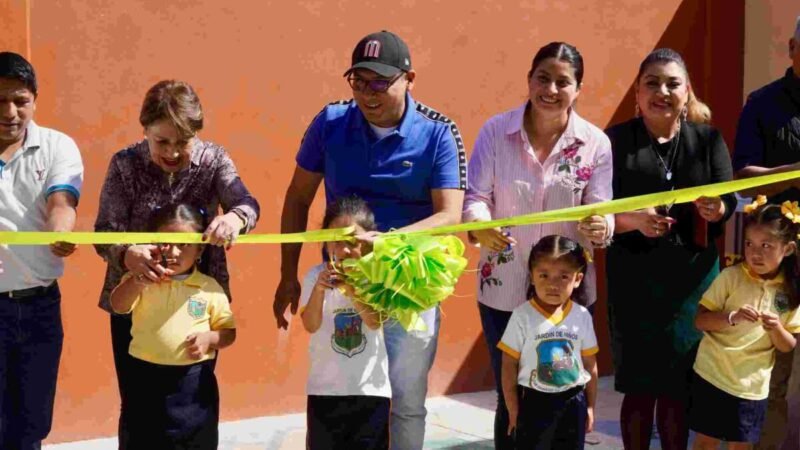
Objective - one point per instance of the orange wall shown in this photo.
(768, 26)
(263, 70)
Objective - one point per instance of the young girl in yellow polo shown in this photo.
(750, 310)
(179, 324)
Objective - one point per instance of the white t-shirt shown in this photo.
(550, 347)
(382, 132)
(48, 162)
(347, 357)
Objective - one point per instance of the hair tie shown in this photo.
(759, 201)
(791, 211)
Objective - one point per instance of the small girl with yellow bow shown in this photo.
(750, 310)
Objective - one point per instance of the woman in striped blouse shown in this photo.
(539, 156)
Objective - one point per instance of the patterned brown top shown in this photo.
(135, 187)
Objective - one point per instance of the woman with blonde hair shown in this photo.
(662, 260)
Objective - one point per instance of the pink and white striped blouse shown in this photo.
(506, 179)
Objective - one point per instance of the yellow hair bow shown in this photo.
(760, 200)
(791, 211)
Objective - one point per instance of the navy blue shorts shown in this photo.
(348, 422)
(551, 421)
(720, 415)
(172, 407)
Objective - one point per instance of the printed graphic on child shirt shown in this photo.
(348, 338)
(781, 302)
(557, 364)
(196, 307)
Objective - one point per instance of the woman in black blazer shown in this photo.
(662, 259)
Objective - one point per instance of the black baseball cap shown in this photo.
(383, 53)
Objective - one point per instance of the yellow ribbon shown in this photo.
(791, 211)
(622, 205)
(341, 234)
(759, 201)
(89, 237)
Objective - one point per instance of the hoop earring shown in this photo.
(636, 111)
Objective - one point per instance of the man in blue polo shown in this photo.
(40, 181)
(408, 162)
(767, 142)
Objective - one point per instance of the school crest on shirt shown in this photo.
(781, 302)
(196, 307)
(557, 365)
(348, 339)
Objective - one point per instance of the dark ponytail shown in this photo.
(561, 51)
(179, 212)
(773, 217)
(559, 248)
(353, 206)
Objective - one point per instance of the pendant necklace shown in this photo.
(673, 149)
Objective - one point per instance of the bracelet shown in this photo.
(730, 318)
(242, 216)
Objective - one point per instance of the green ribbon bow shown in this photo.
(406, 275)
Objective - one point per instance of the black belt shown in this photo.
(30, 292)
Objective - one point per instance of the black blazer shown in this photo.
(702, 158)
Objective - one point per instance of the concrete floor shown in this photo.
(462, 422)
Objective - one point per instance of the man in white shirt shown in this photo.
(41, 174)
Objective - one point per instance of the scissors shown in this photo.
(332, 278)
(666, 207)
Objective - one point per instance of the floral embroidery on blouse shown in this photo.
(571, 173)
(494, 259)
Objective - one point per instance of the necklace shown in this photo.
(673, 149)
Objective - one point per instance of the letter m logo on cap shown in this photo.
(372, 49)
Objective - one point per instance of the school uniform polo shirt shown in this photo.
(394, 174)
(550, 347)
(48, 162)
(739, 359)
(166, 313)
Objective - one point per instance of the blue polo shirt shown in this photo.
(395, 174)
